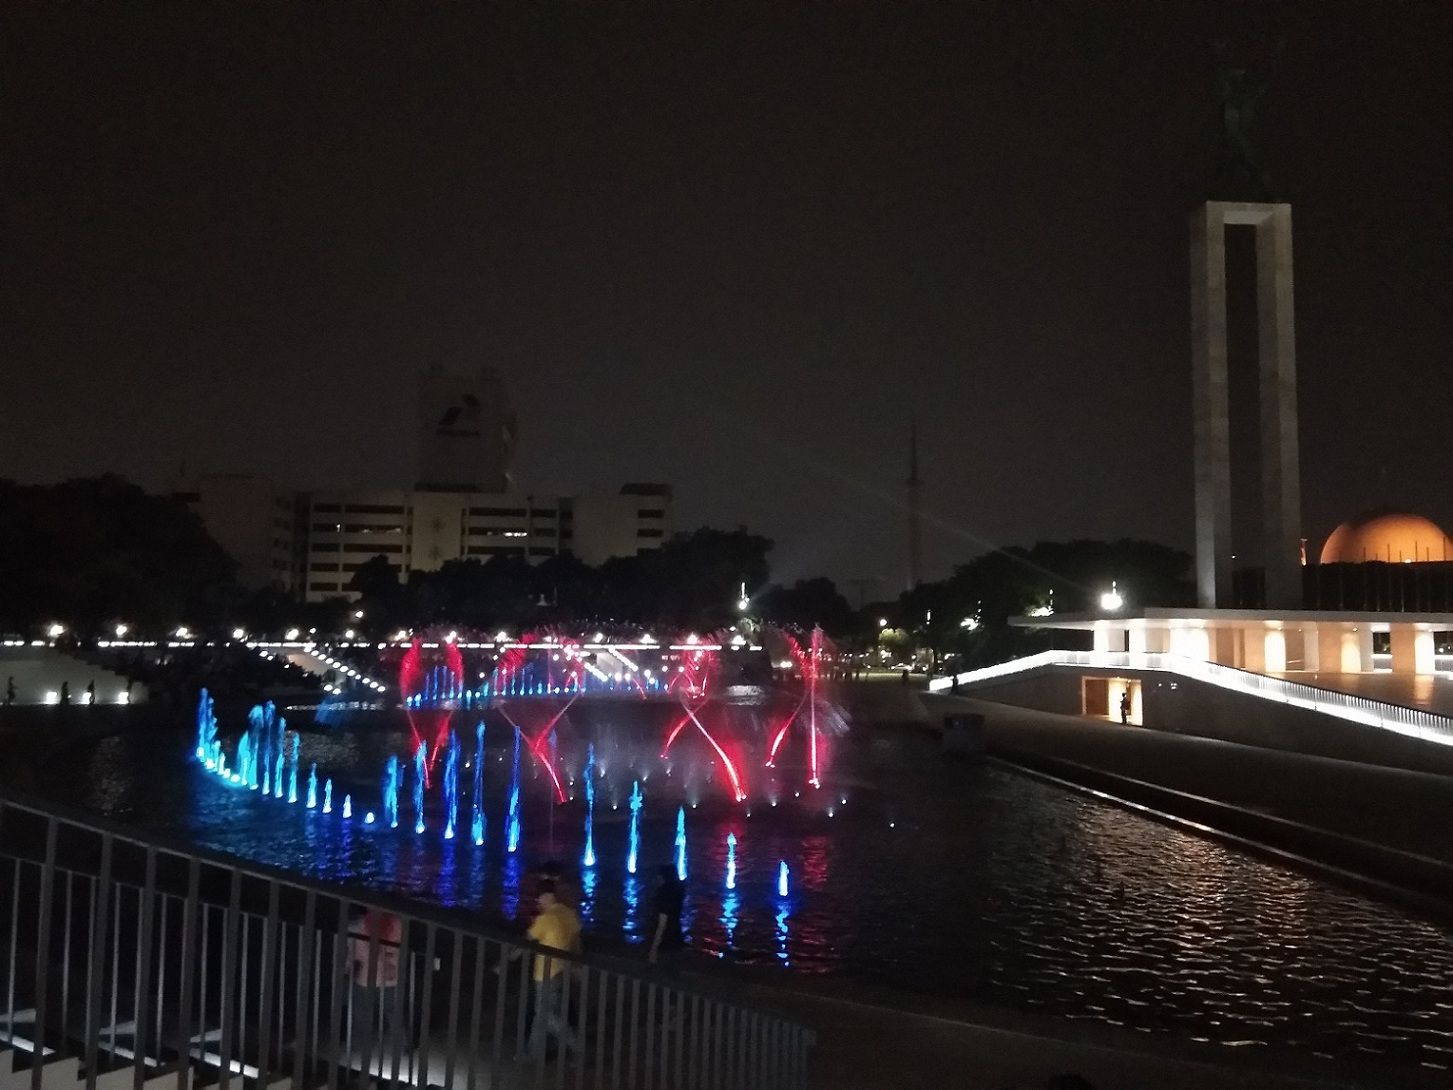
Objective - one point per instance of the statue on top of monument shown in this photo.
(1241, 174)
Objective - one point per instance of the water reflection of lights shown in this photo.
(588, 879)
(731, 907)
(784, 914)
(1244, 940)
(510, 891)
(632, 892)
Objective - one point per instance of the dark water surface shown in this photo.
(906, 872)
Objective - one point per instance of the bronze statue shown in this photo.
(1241, 172)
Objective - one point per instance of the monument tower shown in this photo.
(1278, 469)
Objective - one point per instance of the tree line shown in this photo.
(93, 552)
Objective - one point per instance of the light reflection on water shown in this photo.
(966, 882)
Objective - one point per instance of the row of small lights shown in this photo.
(339, 664)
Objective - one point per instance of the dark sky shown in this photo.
(729, 247)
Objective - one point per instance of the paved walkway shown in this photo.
(865, 1044)
(1429, 692)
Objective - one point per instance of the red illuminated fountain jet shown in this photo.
(813, 662)
(421, 684)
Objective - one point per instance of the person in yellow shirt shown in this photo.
(557, 927)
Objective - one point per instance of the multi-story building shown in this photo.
(421, 531)
(464, 506)
(254, 520)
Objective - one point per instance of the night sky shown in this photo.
(733, 248)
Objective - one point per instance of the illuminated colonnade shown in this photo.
(1268, 642)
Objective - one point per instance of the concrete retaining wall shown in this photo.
(1184, 706)
(39, 672)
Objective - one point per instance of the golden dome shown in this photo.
(1393, 537)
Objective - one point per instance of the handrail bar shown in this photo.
(1411, 722)
(422, 911)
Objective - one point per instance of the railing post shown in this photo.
(188, 962)
(141, 1005)
(229, 978)
(455, 984)
(265, 981)
(101, 905)
(307, 940)
(42, 951)
(427, 1004)
(337, 997)
(14, 949)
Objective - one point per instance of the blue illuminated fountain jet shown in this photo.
(293, 772)
(451, 785)
(782, 878)
(282, 757)
(328, 795)
(588, 858)
(420, 760)
(264, 755)
(476, 823)
(206, 730)
(512, 819)
(313, 785)
(731, 867)
(391, 792)
(681, 843)
(635, 845)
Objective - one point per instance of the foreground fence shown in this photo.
(131, 963)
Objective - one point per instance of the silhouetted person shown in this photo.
(1125, 707)
(667, 941)
(65, 692)
(10, 695)
(558, 928)
(91, 691)
(375, 981)
(567, 892)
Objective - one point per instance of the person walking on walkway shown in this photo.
(91, 692)
(1125, 707)
(557, 927)
(65, 692)
(10, 694)
(375, 938)
(666, 939)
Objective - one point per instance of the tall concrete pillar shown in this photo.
(1276, 349)
(1363, 634)
(1412, 650)
(1253, 650)
(1274, 655)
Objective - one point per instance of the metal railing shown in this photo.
(1412, 722)
(175, 964)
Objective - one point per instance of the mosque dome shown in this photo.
(1393, 537)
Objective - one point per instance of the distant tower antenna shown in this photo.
(915, 512)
